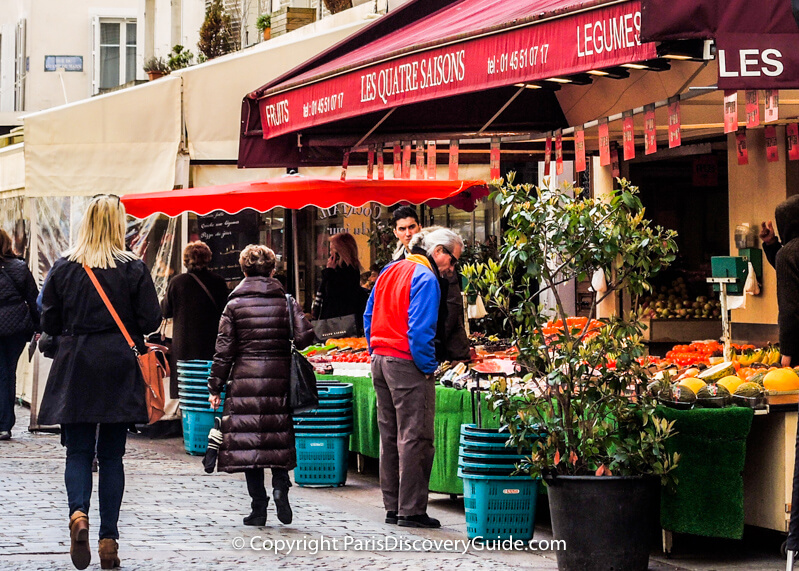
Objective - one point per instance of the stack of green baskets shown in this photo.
(497, 505)
(198, 416)
(322, 437)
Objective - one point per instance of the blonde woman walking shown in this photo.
(95, 390)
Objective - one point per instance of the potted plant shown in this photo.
(264, 25)
(156, 67)
(335, 6)
(179, 58)
(596, 438)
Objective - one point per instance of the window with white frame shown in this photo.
(115, 52)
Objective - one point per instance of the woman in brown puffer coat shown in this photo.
(253, 358)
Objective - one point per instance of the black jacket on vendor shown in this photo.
(787, 266)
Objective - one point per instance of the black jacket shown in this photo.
(95, 376)
(18, 292)
(340, 293)
(771, 252)
(252, 352)
(787, 266)
(195, 316)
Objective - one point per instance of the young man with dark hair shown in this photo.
(406, 224)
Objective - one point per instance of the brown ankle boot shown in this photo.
(108, 553)
(79, 540)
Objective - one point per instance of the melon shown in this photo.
(678, 393)
(693, 383)
(730, 382)
(784, 379)
(717, 372)
(748, 390)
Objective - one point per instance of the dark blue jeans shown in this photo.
(81, 441)
(11, 347)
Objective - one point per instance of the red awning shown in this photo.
(296, 191)
(467, 46)
(757, 42)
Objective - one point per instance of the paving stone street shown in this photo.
(174, 516)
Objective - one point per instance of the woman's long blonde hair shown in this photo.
(101, 238)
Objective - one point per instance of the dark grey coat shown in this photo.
(252, 353)
(18, 292)
(787, 217)
(95, 376)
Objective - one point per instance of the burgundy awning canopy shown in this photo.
(297, 191)
(466, 46)
(757, 42)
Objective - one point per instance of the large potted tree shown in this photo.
(603, 453)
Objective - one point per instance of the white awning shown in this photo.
(125, 141)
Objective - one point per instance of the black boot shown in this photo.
(284, 513)
(258, 515)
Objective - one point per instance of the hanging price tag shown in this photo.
(742, 151)
(344, 165)
(494, 158)
(792, 134)
(772, 97)
(397, 161)
(431, 160)
(406, 161)
(615, 167)
(454, 145)
(370, 162)
(675, 137)
(558, 152)
(628, 135)
(772, 154)
(752, 108)
(604, 142)
(419, 160)
(579, 149)
(730, 110)
(650, 130)
(547, 154)
(381, 171)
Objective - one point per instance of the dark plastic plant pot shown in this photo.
(605, 521)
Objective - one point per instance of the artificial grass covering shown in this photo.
(708, 499)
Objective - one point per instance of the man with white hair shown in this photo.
(400, 325)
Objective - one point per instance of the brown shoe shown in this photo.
(108, 553)
(79, 540)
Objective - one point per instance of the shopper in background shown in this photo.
(19, 319)
(194, 301)
(771, 244)
(95, 378)
(452, 343)
(787, 265)
(253, 359)
(406, 224)
(340, 292)
(400, 325)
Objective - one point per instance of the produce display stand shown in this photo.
(709, 497)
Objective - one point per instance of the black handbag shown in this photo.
(303, 395)
(336, 327)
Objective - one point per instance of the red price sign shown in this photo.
(650, 130)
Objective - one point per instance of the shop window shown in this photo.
(114, 52)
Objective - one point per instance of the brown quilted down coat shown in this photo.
(252, 356)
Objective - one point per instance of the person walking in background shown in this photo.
(19, 319)
(253, 359)
(95, 389)
(194, 301)
(406, 224)
(340, 292)
(400, 324)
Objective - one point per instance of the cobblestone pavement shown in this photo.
(174, 516)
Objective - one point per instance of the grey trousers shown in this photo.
(406, 405)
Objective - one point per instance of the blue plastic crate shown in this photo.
(321, 460)
(196, 426)
(499, 507)
(336, 391)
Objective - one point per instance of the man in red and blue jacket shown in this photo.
(400, 325)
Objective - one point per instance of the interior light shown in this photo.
(559, 80)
